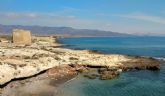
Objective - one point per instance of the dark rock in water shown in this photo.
(153, 68)
(106, 75)
(91, 76)
(109, 73)
(141, 63)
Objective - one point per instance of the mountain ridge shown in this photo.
(68, 31)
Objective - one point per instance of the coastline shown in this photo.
(116, 64)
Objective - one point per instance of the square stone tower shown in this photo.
(22, 36)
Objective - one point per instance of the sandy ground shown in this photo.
(39, 85)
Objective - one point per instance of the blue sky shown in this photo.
(126, 16)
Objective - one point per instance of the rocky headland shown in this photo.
(26, 61)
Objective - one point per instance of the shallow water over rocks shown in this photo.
(131, 83)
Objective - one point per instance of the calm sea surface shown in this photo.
(132, 83)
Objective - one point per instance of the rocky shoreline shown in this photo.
(44, 84)
(63, 64)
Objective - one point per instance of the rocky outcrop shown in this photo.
(109, 73)
(64, 71)
(27, 61)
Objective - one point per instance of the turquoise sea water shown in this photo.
(143, 46)
(132, 83)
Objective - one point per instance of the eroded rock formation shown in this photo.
(26, 61)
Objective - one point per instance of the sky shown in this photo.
(142, 17)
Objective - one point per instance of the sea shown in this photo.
(130, 83)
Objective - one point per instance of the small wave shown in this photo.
(160, 58)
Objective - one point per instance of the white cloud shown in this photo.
(141, 16)
(18, 15)
(51, 19)
(70, 20)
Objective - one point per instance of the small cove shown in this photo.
(131, 83)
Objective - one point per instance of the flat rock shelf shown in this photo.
(18, 62)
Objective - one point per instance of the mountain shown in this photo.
(68, 31)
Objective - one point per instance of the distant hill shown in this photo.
(68, 31)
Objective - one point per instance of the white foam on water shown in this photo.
(160, 58)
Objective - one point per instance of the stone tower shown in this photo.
(21, 36)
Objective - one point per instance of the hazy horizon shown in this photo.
(140, 17)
